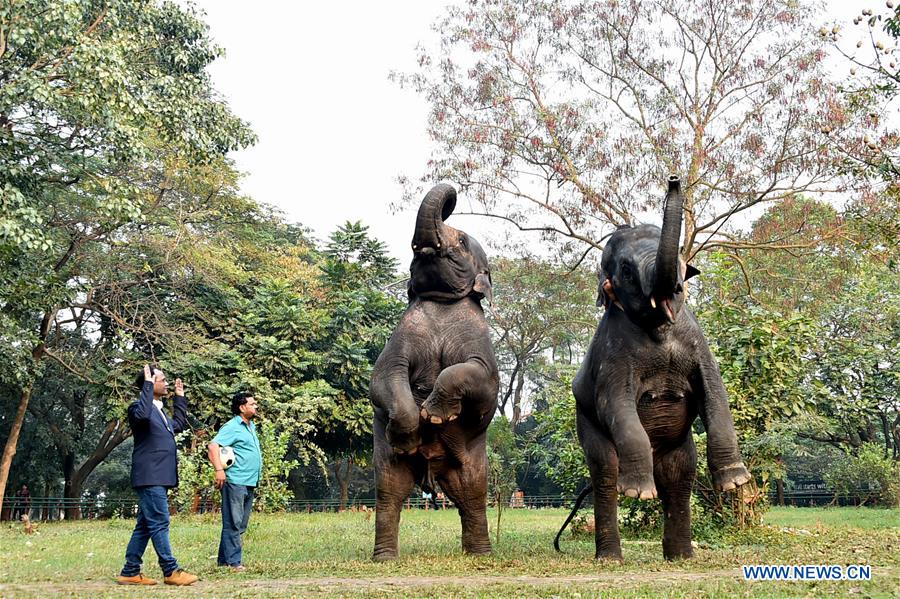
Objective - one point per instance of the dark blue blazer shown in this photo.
(153, 461)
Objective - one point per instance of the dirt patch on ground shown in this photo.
(387, 583)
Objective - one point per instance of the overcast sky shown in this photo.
(334, 133)
(312, 80)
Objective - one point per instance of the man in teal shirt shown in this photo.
(239, 482)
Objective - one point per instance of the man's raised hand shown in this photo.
(179, 388)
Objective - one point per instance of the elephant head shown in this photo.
(641, 271)
(448, 264)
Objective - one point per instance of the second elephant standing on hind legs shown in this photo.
(647, 375)
(434, 386)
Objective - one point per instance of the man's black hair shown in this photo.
(239, 399)
(139, 380)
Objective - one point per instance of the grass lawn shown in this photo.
(327, 555)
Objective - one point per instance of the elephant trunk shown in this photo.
(667, 252)
(429, 235)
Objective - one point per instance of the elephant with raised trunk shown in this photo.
(647, 375)
(434, 386)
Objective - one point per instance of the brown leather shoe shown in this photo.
(136, 579)
(180, 578)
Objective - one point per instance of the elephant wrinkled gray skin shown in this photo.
(647, 375)
(434, 386)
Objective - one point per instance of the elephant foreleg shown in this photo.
(618, 410)
(469, 383)
(466, 486)
(394, 481)
(603, 464)
(674, 472)
(722, 452)
(393, 397)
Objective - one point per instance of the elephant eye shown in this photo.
(626, 273)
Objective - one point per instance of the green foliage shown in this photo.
(542, 313)
(717, 512)
(808, 340)
(556, 443)
(868, 473)
(89, 89)
(197, 476)
(104, 107)
(764, 360)
(504, 460)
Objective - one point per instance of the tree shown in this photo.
(567, 118)
(807, 338)
(555, 441)
(81, 105)
(504, 460)
(870, 50)
(856, 364)
(539, 307)
(356, 274)
(80, 427)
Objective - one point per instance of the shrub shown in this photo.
(868, 475)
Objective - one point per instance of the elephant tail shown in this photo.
(584, 493)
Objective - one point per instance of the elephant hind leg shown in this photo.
(603, 463)
(394, 480)
(466, 486)
(674, 472)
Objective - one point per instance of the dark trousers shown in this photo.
(152, 525)
(237, 503)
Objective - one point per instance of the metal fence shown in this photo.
(55, 508)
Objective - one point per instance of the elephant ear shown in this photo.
(410, 294)
(483, 287)
(602, 297)
(690, 271)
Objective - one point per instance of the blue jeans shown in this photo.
(237, 503)
(152, 524)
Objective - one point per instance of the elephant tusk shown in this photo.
(652, 302)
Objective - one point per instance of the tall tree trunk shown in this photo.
(9, 450)
(113, 435)
(517, 399)
(343, 479)
(779, 491)
(70, 496)
(46, 513)
(888, 438)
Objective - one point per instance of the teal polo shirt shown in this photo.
(241, 437)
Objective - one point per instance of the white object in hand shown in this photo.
(226, 456)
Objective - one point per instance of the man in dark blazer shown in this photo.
(154, 470)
